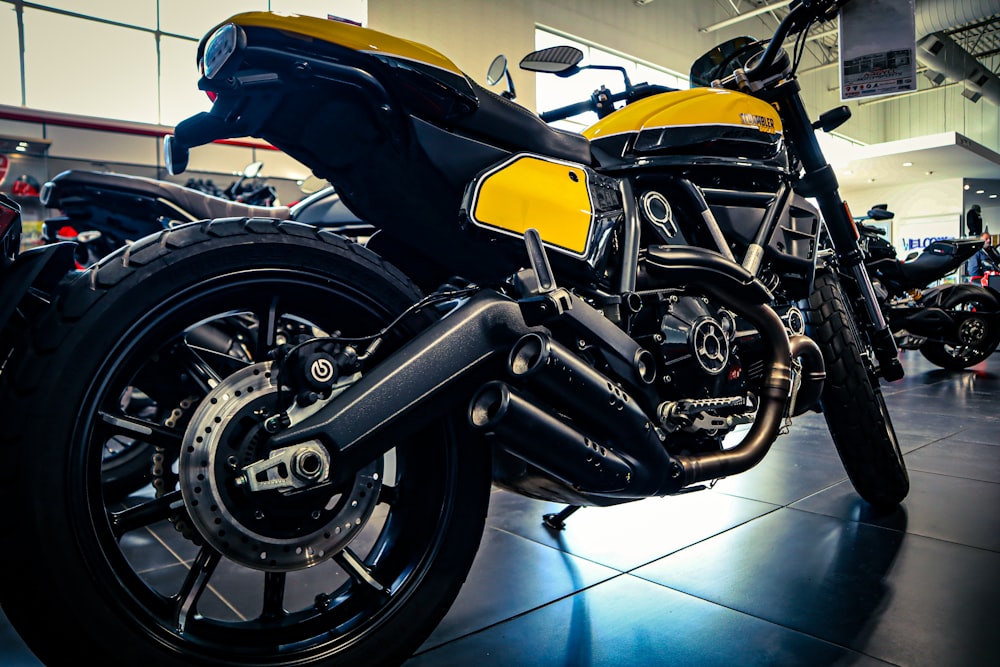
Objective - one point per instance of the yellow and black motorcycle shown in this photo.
(590, 319)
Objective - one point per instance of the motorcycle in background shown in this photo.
(103, 211)
(954, 325)
(580, 318)
(247, 189)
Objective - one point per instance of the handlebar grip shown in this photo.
(578, 107)
(566, 111)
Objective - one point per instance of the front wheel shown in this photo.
(977, 336)
(195, 568)
(852, 401)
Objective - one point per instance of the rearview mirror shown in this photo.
(497, 69)
(498, 72)
(553, 60)
(877, 213)
(253, 169)
(313, 184)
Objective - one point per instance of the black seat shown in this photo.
(515, 128)
(198, 204)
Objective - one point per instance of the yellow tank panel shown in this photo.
(345, 34)
(695, 107)
(532, 192)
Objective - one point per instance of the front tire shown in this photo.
(137, 582)
(852, 401)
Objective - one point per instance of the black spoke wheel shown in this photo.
(852, 400)
(131, 350)
(977, 336)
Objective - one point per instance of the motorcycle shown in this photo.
(103, 211)
(577, 318)
(954, 326)
(247, 189)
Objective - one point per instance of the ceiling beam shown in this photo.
(745, 15)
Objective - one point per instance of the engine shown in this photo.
(708, 369)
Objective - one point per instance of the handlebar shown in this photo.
(578, 108)
(802, 13)
(633, 93)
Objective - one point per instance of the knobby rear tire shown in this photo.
(852, 400)
(77, 581)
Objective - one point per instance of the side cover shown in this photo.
(573, 208)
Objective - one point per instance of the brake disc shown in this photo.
(266, 526)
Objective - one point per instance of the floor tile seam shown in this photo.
(558, 550)
(914, 468)
(927, 444)
(526, 612)
(959, 477)
(896, 530)
(774, 507)
(169, 549)
(776, 623)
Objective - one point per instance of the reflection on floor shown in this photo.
(783, 565)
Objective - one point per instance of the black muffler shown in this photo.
(591, 407)
(548, 442)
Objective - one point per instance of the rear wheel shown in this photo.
(852, 400)
(976, 337)
(194, 568)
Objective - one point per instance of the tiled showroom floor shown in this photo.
(783, 565)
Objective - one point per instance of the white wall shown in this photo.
(923, 212)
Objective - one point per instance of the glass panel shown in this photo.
(134, 12)
(352, 10)
(179, 94)
(553, 92)
(647, 74)
(193, 18)
(113, 77)
(10, 56)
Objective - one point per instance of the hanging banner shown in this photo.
(877, 48)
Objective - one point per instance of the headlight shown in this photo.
(220, 49)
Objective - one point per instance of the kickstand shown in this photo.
(558, 521)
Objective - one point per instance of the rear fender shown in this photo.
(946, 295)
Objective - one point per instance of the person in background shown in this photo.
(981, 261)
(974, 220)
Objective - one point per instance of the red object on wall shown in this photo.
(4, 166)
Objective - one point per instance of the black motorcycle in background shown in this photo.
(104, 211)
(249, 188)
(954, 325)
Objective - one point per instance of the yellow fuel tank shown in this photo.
(709, 121)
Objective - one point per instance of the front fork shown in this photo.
(820, 181)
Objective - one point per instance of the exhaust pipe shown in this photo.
(607, 410)
(812, 374)
(548, 442)
(602, 408)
